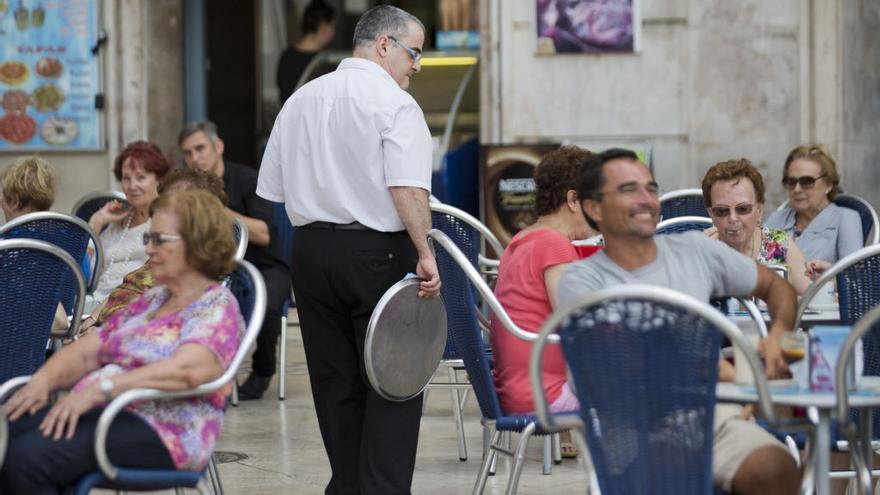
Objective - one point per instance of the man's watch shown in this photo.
(106, 387)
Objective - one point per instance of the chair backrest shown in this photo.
(452, 215)
(33, 277)
(870, 223)
(644, 362)
(241, 238)
(94, 201)
(683, 224)
(682, 203)
(71, 234)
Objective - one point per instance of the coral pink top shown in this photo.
(521, 291)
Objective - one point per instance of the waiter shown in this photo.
(350, 156)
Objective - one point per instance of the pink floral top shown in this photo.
(130, 339)
(774, 247)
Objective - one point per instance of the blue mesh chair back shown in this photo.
(866, 212)
(645, 374)
(683, 224)
(90, 203)
(683, 203)
(69, 233)
(32, 280)
(464, 335)
(284, 230)
(467, 239)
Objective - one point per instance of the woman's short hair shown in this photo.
(145, 154)
(29, 184)
(732, 170)
(206, 230)
(557, 174)
(191, 178)
(818, 154)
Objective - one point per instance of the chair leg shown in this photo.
(548, 450)
(282, 358)
(214, 475)
(233, 399)
(519, 458)
(455, 394)
(557, 448)
(425, 399)
(488, 460)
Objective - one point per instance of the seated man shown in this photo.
(619, 196)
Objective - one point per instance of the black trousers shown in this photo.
(36, 465)
(338, 278)
(277, 280)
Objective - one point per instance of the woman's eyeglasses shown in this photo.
(806, 182)
(723, 211)
(158, 239)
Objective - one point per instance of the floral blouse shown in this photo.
(774, 247)
(188, 427)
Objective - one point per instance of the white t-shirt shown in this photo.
(690, 262)
(340, 142)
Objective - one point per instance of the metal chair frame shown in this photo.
(108, 471)
(680, 224)
(96, 195)
(285, 232)
(528, 427)
(241, 241)
(643, 292)
(487, 236)
(23, 220)
(686, 194)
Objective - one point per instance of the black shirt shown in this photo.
(240, 183)
(290, 68)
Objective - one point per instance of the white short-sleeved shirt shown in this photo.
(340, 142)
(690, 262)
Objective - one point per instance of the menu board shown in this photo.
(49, 77)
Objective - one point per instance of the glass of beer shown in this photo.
(794, 346)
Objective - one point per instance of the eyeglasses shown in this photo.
(158, 239)
(806, 182)
(415, 54)
(723, 211)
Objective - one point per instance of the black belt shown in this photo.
(337, 226)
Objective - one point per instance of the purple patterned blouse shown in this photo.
(132, 338)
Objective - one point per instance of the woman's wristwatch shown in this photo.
(106, 387)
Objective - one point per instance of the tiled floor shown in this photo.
(285, 454)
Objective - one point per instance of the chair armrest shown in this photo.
(5, 389)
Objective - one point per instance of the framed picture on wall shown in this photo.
(588, 26)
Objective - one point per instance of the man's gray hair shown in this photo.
(384, 19)
(206, 126)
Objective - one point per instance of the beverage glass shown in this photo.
(794, 346)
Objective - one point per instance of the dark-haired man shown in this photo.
(619, 196)
(318, 28)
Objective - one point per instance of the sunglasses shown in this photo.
(723, 211)
(158, 239)
(806, 182)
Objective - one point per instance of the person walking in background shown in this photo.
(318, 28)
(203, 149)
(350, 157)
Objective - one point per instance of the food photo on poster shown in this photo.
(49, 77)
(587, 26)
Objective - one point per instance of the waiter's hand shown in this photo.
(427, 271)
(773, 360)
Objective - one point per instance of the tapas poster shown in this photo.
(49, 77)
(588, 26)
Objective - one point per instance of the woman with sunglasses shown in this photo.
(182, 333)
(826, 232)
(734, 195)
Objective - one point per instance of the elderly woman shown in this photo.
(139, 168)
(28, 186)
(178, 335)
(527, 278)
(734, 195)
(824, 231)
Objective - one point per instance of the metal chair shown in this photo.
(867, 214)
(467, 233)
(285, 237)
(683, 224)
(94, 201)
(71, 234)
(644, 363)
(247, 285)
(33, 279)
(682, 203)
(241, 238)
(460, 281)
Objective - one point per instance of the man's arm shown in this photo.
(781, 302)
(412, 207)
(258, 231)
